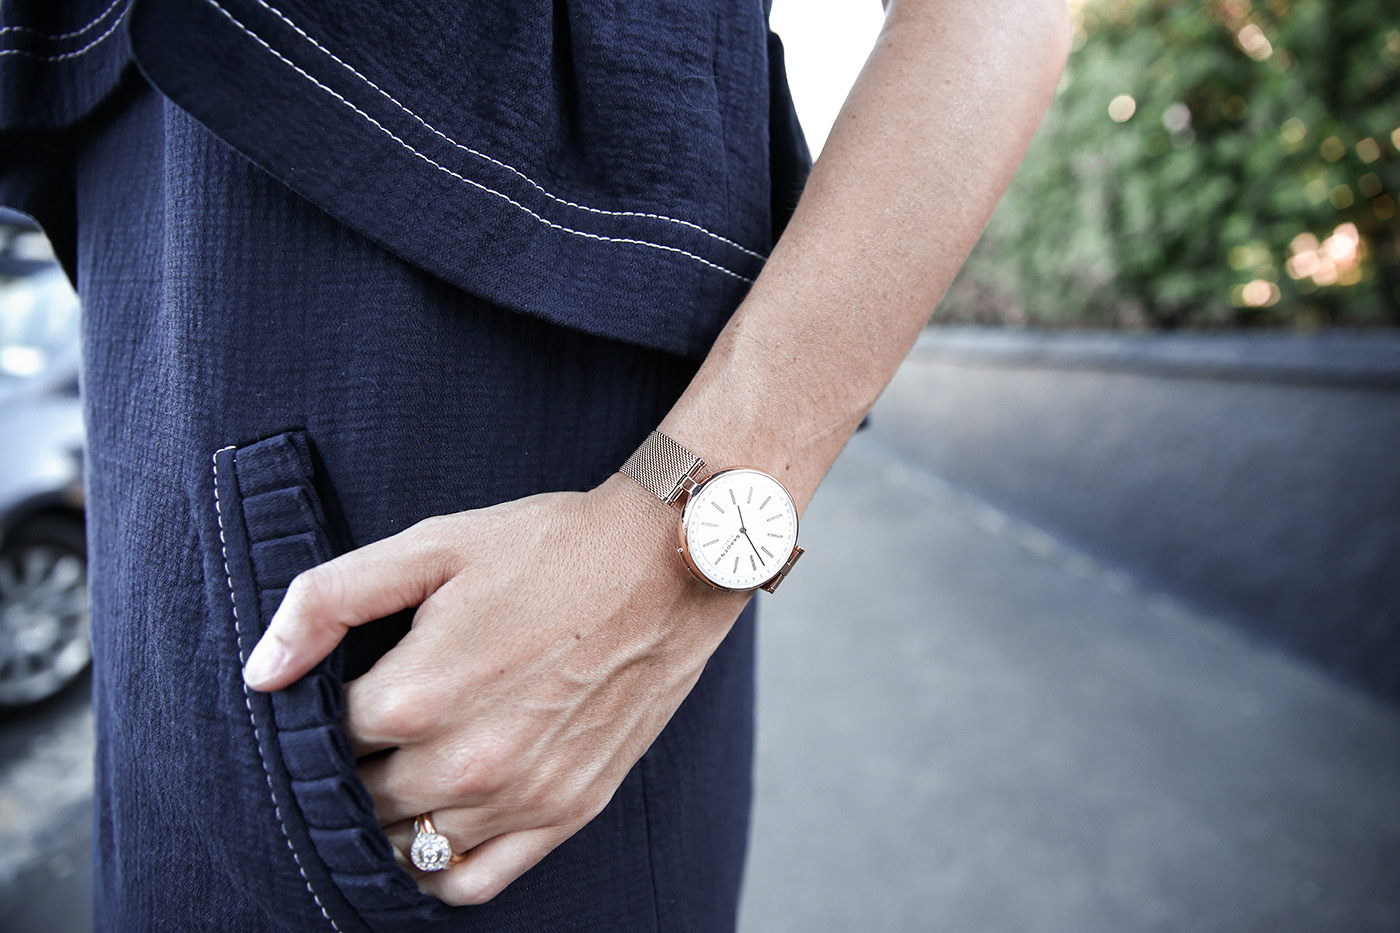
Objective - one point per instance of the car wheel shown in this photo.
(43, 609)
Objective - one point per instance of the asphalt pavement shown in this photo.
(967, 725)
(45, 804)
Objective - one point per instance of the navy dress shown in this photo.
(298, 340)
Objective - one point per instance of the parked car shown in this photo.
(43, 554)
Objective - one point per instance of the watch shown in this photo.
(738, 527)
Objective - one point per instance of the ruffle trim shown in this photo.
(286, 534)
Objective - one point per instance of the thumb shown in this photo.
(325, 602)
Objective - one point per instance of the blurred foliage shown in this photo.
(1206, 165)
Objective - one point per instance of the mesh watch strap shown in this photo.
(661, 465)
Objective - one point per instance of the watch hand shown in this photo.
(745, 532)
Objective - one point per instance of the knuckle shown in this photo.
(475, 774)
(434, 541)
(397, 715)
(431, 526)
(313, 591)
(433, 534)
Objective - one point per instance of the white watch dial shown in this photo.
(740, 527)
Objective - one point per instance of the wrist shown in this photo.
(646, 528)
(684, 619)
(737, 526)
(756, 402)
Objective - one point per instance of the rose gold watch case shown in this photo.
(772, 582)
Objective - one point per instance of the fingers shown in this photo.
(404, 784)
(498, 838)
(489, 867)
(462, 832)
(386, 711)
(409, 781)
(401, 700)
(468, 829)
(361, 586)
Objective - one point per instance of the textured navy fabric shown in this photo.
(266, 387)
(302, 335)
(547, 156)
(58, 60)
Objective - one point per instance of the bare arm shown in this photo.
(519, 701)
(922, 150)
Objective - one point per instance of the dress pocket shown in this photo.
(272, 526)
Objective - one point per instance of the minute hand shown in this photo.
(743, 530)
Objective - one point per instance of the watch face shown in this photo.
(739, 528)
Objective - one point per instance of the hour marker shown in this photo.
(731, 497)
(716, 505)
(765, 502)
(709, 525)
(775, 517)
(774, 534)
(736, 565)
(765, 550)
(752, 565)
(749, 500)
(708, 543)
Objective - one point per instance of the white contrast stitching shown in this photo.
(497, 162)
(73, 54)
(257, 736)
(64, 35)
(462, 178)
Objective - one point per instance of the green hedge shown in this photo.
(1206, 165)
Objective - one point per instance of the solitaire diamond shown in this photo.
(431, 852)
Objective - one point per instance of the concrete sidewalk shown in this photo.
(966, 726)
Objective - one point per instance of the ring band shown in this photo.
(431, 851)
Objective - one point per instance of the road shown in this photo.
(45, 829)
(966, 725)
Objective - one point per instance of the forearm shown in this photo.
(555, 635)
(923, 148)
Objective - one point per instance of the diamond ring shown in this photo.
(431, 851)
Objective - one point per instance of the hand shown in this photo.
(554, 638)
